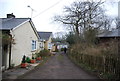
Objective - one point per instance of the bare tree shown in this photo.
(117, 22)
(85, 18)
(81, 15)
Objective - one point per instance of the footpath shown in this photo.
(18, 71)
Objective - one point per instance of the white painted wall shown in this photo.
(41, 45)
(62, 46)
(48, 43)
(23, 36)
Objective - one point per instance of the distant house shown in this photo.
(110, 35)
(59, 46)
(22, 31)
(46, 38)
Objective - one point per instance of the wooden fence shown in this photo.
(106, 66)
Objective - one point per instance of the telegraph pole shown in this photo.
(31, 10)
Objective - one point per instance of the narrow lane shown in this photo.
(58, 67)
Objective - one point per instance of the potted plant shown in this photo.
(38, 57)
(33, 60)
(28, 59)
(24, 64)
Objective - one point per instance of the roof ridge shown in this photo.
(15, 18)
(22, 18)
(10, 23)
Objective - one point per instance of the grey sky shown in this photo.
(44, 10)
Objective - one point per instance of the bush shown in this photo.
(102, 58)
(62, 49)
(44, 53)
(37, 54)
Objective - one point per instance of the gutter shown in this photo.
(34, 29)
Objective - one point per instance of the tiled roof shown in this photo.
(45, 35)
(10, 23)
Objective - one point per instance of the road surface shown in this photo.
(58, 67)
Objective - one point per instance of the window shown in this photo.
(49, 46)
(33, 45)
(41, 45)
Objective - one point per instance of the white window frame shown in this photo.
(34, 45)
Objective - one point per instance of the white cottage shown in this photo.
(46, 38)
(25, 38)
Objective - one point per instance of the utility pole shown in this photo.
(31, 10)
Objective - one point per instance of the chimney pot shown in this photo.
(10, 15)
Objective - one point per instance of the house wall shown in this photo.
(53, 48)
(41, 45)
(23, 36)
(47, 42)
(46, 45)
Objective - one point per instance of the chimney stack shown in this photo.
(10, 15)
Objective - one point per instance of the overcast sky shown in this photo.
(44, 10)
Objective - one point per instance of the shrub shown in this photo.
(37, 54)
(102, 58)
(62, 49)
(44, 53)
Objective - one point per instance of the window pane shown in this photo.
(32, 44)
(35, 45)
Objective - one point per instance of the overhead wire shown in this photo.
(48, 8)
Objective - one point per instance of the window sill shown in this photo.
(33, 50)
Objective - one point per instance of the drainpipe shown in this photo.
(10, 46)
(10, 54)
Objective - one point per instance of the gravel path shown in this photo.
(58, 67)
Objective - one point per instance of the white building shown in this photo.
(25, 36)
(47, 39)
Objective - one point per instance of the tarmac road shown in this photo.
(58, 67)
